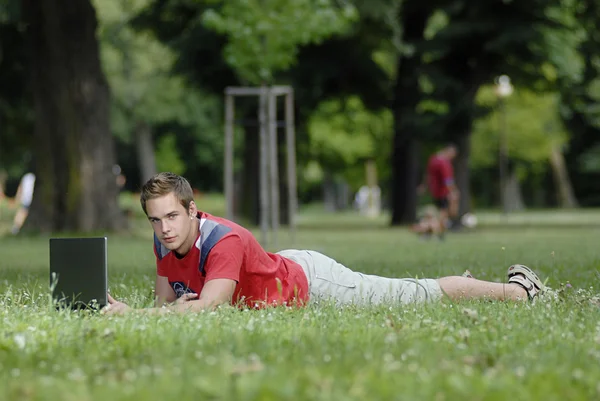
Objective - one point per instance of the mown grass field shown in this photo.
(447, 351)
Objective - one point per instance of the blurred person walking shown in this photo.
(24, 196)
(443, 190)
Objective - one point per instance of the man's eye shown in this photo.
(172, 216)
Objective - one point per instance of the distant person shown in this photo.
(361, 198)
(203, 261)
(442, 187)
(368, 200)
(24, 196)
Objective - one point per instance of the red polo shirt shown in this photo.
(440, 175)
(226, 250)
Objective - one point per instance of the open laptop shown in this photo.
(78, 272)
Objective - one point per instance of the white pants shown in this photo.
(330, 280)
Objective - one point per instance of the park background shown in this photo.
(87, 85)
(140, 84)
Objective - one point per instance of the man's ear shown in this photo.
(192, 209)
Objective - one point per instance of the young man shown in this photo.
(440, 179)
(203, 261)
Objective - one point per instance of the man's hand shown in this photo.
(115, 307)
(186, 298)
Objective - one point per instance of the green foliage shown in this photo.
(387, 61)
(590, 160)
(343, 134)
(566, 62)
(469, 43)
(533, 128)
(264, 35)
(186, 121)
(167, 157)
(10, 12)
(386, 29)
(138, 68)
(438, 21)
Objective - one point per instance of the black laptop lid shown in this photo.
(78, 271)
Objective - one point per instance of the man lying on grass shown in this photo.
(203, 261)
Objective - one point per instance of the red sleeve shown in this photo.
(225, 259)
(160, 271)
(447, 173)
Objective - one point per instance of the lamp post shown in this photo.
(503, 90)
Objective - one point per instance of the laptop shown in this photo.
(78, 272)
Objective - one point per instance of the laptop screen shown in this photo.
(78, 272)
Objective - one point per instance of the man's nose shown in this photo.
(165, 226)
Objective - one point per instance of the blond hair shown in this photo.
(165, 183)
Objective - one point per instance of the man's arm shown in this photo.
(214, 293)
(163, 292)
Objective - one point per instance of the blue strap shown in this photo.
(157, 247)
(209, 242)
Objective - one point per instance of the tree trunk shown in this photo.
(405, 166)
(460, 128)
(405, 157)
(74, 151)
(145, 151)
(564, 190)
(463, 173)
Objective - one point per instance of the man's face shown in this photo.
(172, 223)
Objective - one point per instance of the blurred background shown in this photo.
(98, 95)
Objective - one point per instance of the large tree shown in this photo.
(15, 110)
(407, 95)
(73, 156)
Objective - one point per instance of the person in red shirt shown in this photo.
(203, 261)
(440, 180)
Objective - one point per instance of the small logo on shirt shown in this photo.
(180, 288)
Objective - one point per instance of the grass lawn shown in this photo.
(445, 351)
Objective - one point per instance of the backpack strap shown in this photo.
(160, 251)
(210, 233)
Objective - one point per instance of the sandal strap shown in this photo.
(526, 278)
(526, 284)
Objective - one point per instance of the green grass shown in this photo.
(444, 351)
